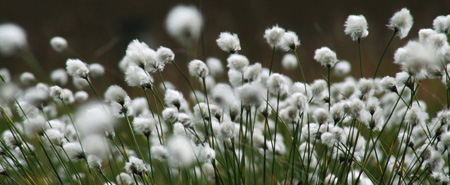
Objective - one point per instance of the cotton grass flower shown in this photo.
(289, 41)
(81, 96)
(59, 44)
(237, 62)
(138, 77)
(442, 24)
(144, 125)
(74, 151)
(229, 42)
(289, 62)
(174, 98)
(401, 22)
(277, 84)
(198, 69)
(164, 55)
(77, 69)
(356, 26)
(96, 70)
(180, 151)
(135, 166)
(274, 35)
(184, 23)
(342, 68)
(252, 73)
(415, 58)
(12, 39)
(325, 56)
(59, 76)
(27, 78)
(215, 66)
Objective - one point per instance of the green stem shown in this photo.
(301, 70)
(384, 52)
(360, 60)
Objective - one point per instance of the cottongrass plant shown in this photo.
(256, 126)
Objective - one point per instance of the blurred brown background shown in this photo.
(100, 32)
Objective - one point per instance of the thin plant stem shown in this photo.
(384, 52)
(301, 70)
(133, 135)
(360, 59)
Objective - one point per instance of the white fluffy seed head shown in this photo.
(55, 92)
(81, 96)
(290, 114)
(138, 77)
(124, 178)
(356, 26)
(445, 139)
(59, 76)
(197, 68)
(250, 94)
(5, 75)
(144, 125)
(237, 62)
(401, 22)
(27, 78)
(12, 39)
(135, 165)
(416, 58)
(59, 44)
(289, 41)
(325, 56)
(277, 84)
(289, 62)
(441, 24)
(76, 68)
(139, 54)
(229, 42)
(174, 98)
(159, 152)
(215, 66)
(388, 84)
(318, 87)
(184, 23)
(94, 161)
(170, 114)
(252, 73)
(164, 55)
(74, 150)
(342, 68)
(96, 70)
(181, 151)
(321, 116)
(273, 35)
(115, 93)
(227, 129)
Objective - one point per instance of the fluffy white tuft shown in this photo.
(197, 68)
(356, 26)
(58, 44)
(289, 41)
(273, 35)
(289, 62)
(342, 68)
(325, 56)
(401, 22)
(138, 77)
(229, 42)
(184, 23)
(77, 69)
(12, 39)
